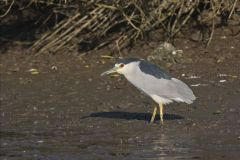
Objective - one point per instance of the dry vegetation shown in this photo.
(92, 24)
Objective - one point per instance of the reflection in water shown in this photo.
(168, 147)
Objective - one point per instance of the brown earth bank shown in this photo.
(64, 109)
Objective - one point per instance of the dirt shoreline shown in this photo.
(68, 111)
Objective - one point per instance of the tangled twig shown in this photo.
(8, 10)
(102, 22)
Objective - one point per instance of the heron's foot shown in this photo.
(153, 115)
(152, 121)
(161, 120)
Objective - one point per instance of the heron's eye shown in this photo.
(121, 65)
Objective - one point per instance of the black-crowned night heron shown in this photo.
(154, 82)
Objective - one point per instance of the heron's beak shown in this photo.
(113, 70)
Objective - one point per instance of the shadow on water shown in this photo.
(132, 116)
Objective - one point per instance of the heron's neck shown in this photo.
(135, 76)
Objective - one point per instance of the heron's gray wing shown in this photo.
(170, 88)
(153, 70)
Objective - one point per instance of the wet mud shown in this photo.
(70, 112)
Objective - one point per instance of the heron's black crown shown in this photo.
(128, 60)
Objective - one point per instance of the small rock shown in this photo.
(40, 141)
(222, 80)
(77, 82)
(220, 59)
(99, 88)
(217, 112)
(232, 110)
(108, 88)
(54, 68)
(223, 37)
(33, 71)
(90, 79)
(166, 55)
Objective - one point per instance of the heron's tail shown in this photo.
(185, 93)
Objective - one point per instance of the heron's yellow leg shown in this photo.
(153, 115)
(161, 112)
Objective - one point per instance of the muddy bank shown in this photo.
(70, 112)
